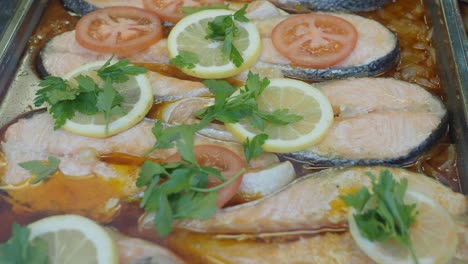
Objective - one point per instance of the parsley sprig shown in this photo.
(390, 217)
(41, 169)
(253, 148)
(185, 59)
(224, 28)
(18, 249)
(232, 109)
(65, 98)
(179, 190)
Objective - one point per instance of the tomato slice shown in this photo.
(120, 29)
(171, 10)
(226, 161)
(315, 40)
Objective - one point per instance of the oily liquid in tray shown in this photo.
(405, 17)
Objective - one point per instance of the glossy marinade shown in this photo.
(417, 64)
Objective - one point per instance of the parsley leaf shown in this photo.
(196, 205)
(391, 217)
(181, 135)
(61, 112)
(190, 10)
(185, 59)
(179, 195)
(86, 84)
(40, 169)
(224, 28)
(53, 88)
(85, 96)
(253, 148)
(239, 15)
(108, 102)
(119, 71)
(277, 117)
(358, 200)
(18, 249)
(231, 109)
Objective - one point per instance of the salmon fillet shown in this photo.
(313, 202)
(35, 139)
(377, 121)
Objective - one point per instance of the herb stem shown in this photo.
(410, 246)
(217, 187)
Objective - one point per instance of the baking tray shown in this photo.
(19, 81)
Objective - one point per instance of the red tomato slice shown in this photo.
(120, 29)
(315, 40)
(226, 161)
(171, 10)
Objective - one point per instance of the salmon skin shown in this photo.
(329, 5)
(377, 121)
(373, 68)
(83, 7)
(80, 7)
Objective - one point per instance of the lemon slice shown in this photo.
(301, 99)
(189, 35)
(138, 99)
(75, 239)
(434, 236)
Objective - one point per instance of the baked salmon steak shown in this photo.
(83, 7)
(377, 121)
(313, 47)
(305, 221)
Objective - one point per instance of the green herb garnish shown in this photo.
(64, 99)
(231, 109)
(185, 59)
(109, 102)
(41, 169)
(224, 28)
(19, 250)
(177, 191)
(182, 191)
(390, 217)
(253, 148)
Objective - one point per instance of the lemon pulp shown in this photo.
(434, 235)
(299, 98)
(189, 35)
(75, 239)
(138, 99)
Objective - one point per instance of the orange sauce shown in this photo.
(86, 196)
(89, 196)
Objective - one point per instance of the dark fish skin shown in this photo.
(374, 68)
(80, 7)
(329, 5)
(315, 160)
(40, 69)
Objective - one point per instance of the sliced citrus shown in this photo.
(189, 35)
(75, 239)
(299, 98)
(434, 235)
(138, 99)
